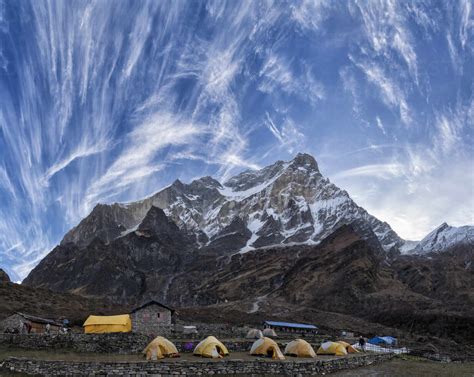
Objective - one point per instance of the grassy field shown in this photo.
(413, 367)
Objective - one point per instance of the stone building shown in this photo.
(152, 318)
(24, 323)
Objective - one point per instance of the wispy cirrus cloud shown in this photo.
(382, 171)
(392, 95)
(288, 134)
(138, 159)
(277, 74)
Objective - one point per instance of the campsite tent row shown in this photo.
(211, 347)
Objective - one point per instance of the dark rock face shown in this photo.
(345, 272)
(106, 222)
(230, 239)
(130, 266)
(4, 278)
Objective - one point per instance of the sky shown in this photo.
(105, 101)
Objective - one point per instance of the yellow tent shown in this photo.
(266, 347)
(332, 348)
(299, 348)
(211, 347)
(105, 324)
(159, 348)
(348, 347)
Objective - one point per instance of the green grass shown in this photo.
(411, 366)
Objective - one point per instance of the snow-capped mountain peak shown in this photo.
(443, 237)
(283, 203)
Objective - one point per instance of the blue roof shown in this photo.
(289, 324)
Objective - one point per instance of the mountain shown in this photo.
(343, 273)
(48, 304)
(4, 278)
(282, 237)
(443, 238)
(284, 203)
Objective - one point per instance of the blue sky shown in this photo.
(104, 101)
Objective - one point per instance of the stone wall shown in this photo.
(118, 343)
(121, 343)
(257, 367)
(151, 319)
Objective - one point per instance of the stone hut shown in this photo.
(25, 323)
(152, 318)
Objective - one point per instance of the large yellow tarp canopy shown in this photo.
(106, 324)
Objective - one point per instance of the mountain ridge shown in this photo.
(283, 203)
(443, 238)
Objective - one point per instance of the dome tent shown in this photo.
(159, 348)
(266, 347)
(254, 334)
(347, 346)
(269, 332)
(332, 348)
(299, 348)
(211, 347)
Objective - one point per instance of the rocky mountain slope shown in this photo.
(4, 278)
(47, 304)
(284, 203)
(344, 273)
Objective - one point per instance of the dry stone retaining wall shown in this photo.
(190, 368)
(121, 343)
(117, 343)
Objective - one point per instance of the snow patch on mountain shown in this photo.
(233, 193)
(254, 226)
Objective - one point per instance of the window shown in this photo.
(158, 315)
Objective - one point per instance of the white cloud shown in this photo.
(310, 14)
(386, 30)
(277, 73)
(80, 152)
(466, 28)
(288, 135)
(392, 95)
(6, 183)
(382, 171)
(141, 146)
